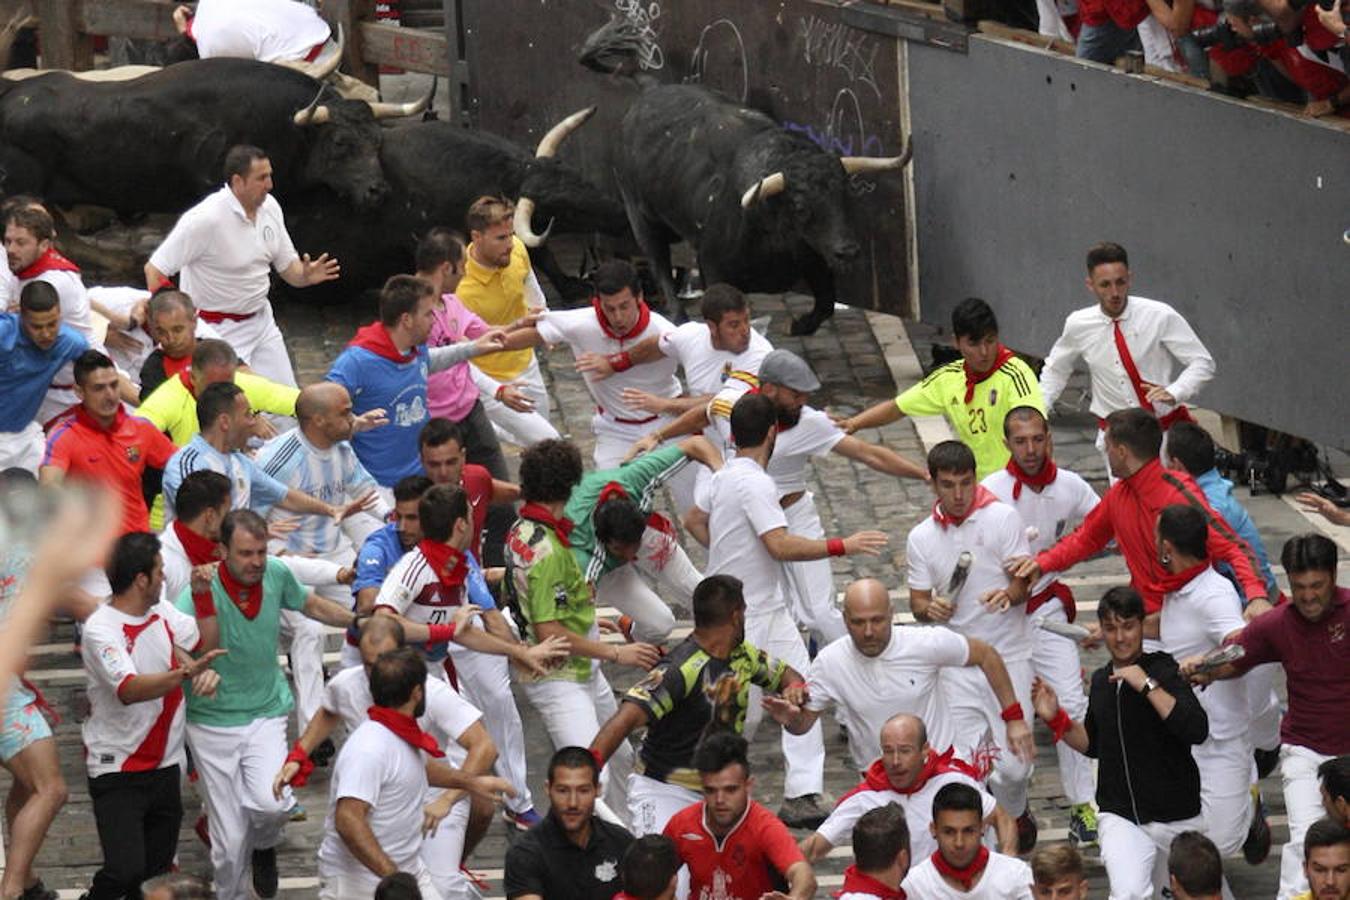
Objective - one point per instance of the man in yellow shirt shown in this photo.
(974, 393)
(500, 287)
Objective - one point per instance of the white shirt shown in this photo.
(333, 475)
(381, 769)
(1195, 620)
(903, 678)
(918, 807)
(742, 503)
(223, 256)
(448, 715)
(120, 300)
(705, 367)
(1158, 338)
(413, 590)
(1048, 515)
(265, 30)
(815, 434)
(133, 737)
(1004, 878)
(581, 330)
(992, 535)
(177, 569)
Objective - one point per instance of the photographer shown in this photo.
(1310, 54)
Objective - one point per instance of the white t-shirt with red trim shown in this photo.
(133, 737)
(1004, 878)
(1048, 515)
(705, 367)
(918, 808)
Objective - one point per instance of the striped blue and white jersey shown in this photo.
(250, 487)
(334, 476)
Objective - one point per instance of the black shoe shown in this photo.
(1026, 833)
(1266, 761)
(324, 753)
(1256, 847)
(39, 891)
(265, 873)
(806, 811)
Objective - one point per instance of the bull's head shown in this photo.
(538, 176)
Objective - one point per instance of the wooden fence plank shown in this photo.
(63, 44)
(406, 48)
(145, 19)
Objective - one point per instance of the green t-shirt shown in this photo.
(252, 685)
(548, 586)
(640, 479)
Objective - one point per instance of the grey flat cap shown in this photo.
(788, 369)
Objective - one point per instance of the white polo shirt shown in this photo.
(385, 771)
(115, 647)
(265, 30)
(866, 691)
(1048, 515)
(742, 503)
(992, 535)
(705, 367)
(223, 256)
(1194, 620)
(918, 807)
(582, 330)
(1004, 878)
(815, 434)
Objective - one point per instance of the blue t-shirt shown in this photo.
(381, 550)
(1219, 492)
(389, 452)
(26, 371)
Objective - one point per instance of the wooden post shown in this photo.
(61, 43)
(350, 14)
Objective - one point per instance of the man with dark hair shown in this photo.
(1307, 637)
(1195, 868)
(1132, 346)
(545, 584)
(956, 559)
(176, 886)
(974, 393)
(880, 856)
(1326, 861)
(191, 544)
(442, 449)
(739, 519)
(734, 847)
(1334, 775)
(700, 687)
(30, 235)
(224, 247)
(386, 367)
(398, 886)
(962, 866)
(135, 649)
(382, 550)
(650, 869)
(573, 854)
(1141, 723)
(1057, 873)
(35, 345)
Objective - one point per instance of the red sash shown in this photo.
(1180, 414)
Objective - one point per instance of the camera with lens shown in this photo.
(1222, 34)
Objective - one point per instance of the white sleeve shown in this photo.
(819, 696)
(105, 655)
(181, 246)
(1058, 367)
(283, 253)
(394, 594)
(441, 358)
(1014, 533)
(452, 713)
(822, 435)
(182, 626)
(1085, 501)
(838, 828)
(534, 294)
(938, 646)
(703, 494)
(486, 384)
(917, 574)
(311, 572)
(762, 507)
(359, 778)
(555, 327)
(1223, 611)
(669, 343)
(1181, 341)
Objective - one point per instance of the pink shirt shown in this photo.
(451, 392)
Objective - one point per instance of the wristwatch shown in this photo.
(1149, 685)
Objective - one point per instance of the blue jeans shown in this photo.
(1103, 43)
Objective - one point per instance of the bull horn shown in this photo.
(399, 110)
(549, 143)
(324, 66)
(763, 189)
(855, 165)
(522, 222)
(314, 114)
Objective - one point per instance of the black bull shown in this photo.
(157, 143)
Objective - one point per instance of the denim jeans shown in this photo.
(1103, 43)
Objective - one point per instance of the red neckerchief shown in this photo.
(49, 261)
(82, 416)
(450, 565)
(1004, 354)
(375, 338)
(1035, 482)
(964, 877)
(562, 527)
(1170, 582)
(185, 376)
(176, 365)
(247, 597)
(983, 498)
(856, 882)
(611, 491)
(875, 778)
(643, 320)
(200, 550)
(405, 727)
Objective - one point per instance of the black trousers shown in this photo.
(138, 816)
(482, 448)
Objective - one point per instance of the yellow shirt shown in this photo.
(978, 424)
(173, 409)
(498, 297)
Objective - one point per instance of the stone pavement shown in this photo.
(853, 369)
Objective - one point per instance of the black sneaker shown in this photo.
(1266, 761)
(1256, 847)
(39, 891)
(324, 753)
(1027, 831)
(265, 873)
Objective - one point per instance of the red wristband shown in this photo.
(620, 362)
(1060, 725)
(440, 634)
(497, 395)
(203, 604)
(1012, 713)
(599, 760)
(835, 547)
(795, 684)
(298, 755)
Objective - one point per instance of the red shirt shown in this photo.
(749, 862)
(477, 484)
(87, 451)
(1316, 660)
(1129, 512)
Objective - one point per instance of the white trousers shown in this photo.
(1135, 856)
(302, 638)
(260, 346)
(1303, 804)
(661, 560)
(978, 729)
(348, 887)
(810, 584)
(1051, 20)
(1226, 775)
(237, 765)
(651, 805)
(22, 449)
(776, 634)
(523, 428)
(443, 852)
(573, 712)
(1056, 661)
(1263, 705)
(1158, 50)
(612, 442)
(485, 681)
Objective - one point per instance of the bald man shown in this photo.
(878, 670)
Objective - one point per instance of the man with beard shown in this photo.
(1326, 861)
(962, 866)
